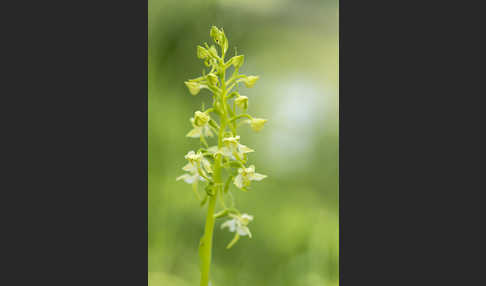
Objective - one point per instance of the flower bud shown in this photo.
(257, 123)
(215, 33)
(202, 53)
(200, 118)
(250, 80)
(193, 87)
(212, 79)
(219, 38)
(242, 102)
(237, 61)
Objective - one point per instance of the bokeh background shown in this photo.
(293, 47)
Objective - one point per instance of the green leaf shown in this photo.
(237, 61)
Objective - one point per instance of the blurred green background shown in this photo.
(293, 47)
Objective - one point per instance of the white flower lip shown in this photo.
(238, 224)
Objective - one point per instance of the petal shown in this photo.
(257, 177)
(243, 230)
(192, 122)
(189, 168)
(227, 152)
(181, 177)
(239, 181)
(189, 154)
(194, 133)
(187, 178)
(244, 149)
(247, 218)
(230, 224)
(207, 131)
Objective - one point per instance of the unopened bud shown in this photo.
(212, 79)
(250, 80)
(257, 123)
(237, 61)
(202, 53)
(219, 38)
(213, 52)
(193, 87)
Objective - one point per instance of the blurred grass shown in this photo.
(293, 47)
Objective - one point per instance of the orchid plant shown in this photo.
(220, 166)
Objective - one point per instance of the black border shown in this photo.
(75, 193)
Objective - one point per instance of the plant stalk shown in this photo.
(207, 240)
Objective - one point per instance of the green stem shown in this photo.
(207, 239)
(240, 116)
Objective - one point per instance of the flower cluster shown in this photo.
(226, 162)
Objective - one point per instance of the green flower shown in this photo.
(245, 175)
(250, 81)
(200, 118)
(195, 160)
(238, 224)
(213, 52)
(233, 146)
(237, 61)
(199, 131)
(194, 87)
(202, 53)
(257, 123)
(212, 79)
(219, 38)
(194, 157)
